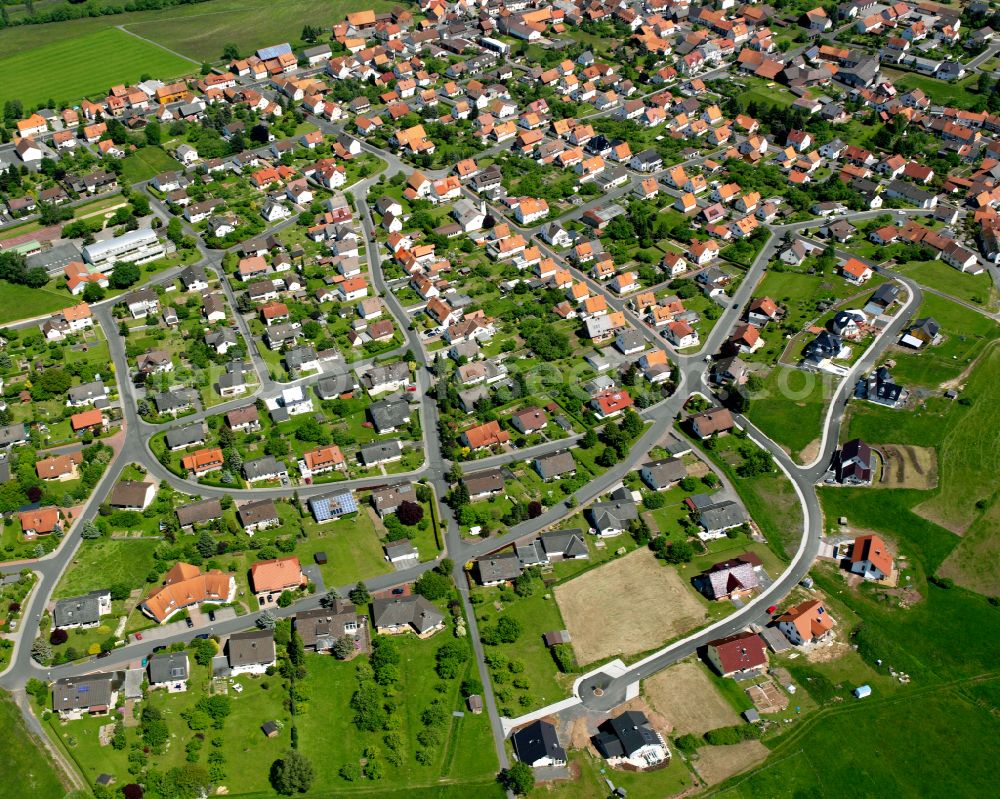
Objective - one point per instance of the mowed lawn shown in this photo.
(146, 163)
(22, 302)
(965, 334)
(75, 68)
(977, 289)
(791, 407)
(29, 773)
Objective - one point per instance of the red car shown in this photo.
(138, 636)
(411, 388)
(771, 609)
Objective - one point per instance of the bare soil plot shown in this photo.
(768, 697)
(627, 606)
(685, 696)
(908, 467)
(718, 763)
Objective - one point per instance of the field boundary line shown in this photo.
(123, 29)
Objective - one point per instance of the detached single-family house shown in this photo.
(737, 655)
(250, 652)
(806, 623)
(537, 745)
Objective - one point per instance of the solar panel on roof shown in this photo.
(274, 51)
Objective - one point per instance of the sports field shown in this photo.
(75, 68)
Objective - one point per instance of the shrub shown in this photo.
(409, 513)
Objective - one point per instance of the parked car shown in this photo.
(188, 622)
(398, 591)
(211, 615)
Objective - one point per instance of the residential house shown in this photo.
(737, 656)
(806, 623)
(251, 652)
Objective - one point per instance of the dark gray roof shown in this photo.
(251, 648)
(664, 472)
(321, 627)
(87, 392)
(176, 400)
(168, 667)
(415, 610)
(389, 414)
(13, 434)
(78, 610)
(262, 467)
(262, 510)
(564, 543)
(197, 512)
(625, 735)
(496, 568)
(81, 693)
(186, 435)
(536, 741)
(380, 451)
(613, 515)
(723, 516)
(483, 482)
(555, 464)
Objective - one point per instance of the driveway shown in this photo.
(315, 577)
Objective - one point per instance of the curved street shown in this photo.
(611, 686)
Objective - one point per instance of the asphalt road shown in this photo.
(690, 378)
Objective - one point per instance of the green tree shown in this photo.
(123, 275)
(343, 647)
(153, 132)
(360, 595)
(519, 778)
(432, 585)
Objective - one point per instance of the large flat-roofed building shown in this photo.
(135, 246)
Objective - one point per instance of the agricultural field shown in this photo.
(643, 605)
(30, 773)
(201, 31)
(942, 716)
(198, 31)
(100, 59)
(716, 763)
